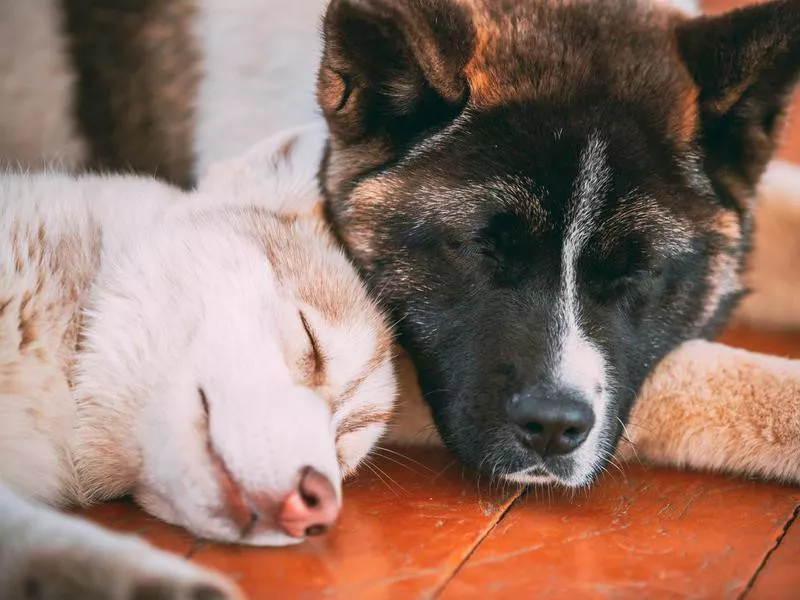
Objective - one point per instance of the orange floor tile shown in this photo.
(425, 529)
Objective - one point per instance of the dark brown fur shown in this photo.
(138, 71)
(456, 131)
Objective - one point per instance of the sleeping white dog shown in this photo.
(217, 360)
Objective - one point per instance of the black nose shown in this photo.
(551, 422)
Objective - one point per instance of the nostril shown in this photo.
(314, 488)
(311, 508)
(572, 432)
(534, 428)
(310, 499)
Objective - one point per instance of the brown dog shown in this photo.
(551, 197)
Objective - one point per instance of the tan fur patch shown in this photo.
(60, 272)
(723, 268)
(361, 419)
(486, 89)
(490, 85)
(360, 158)
(687, 116)
(712, 407)
(726, 224)
(377, 359)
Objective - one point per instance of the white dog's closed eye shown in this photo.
(315, 360)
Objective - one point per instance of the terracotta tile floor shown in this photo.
(424, 529)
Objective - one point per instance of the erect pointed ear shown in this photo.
(393, 67)
(745, 64)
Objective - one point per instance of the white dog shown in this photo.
(217, 360)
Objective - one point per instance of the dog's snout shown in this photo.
(307, 510)
(311, 508)
(550, 422)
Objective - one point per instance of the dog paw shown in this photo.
(47, 587)
(125, 570)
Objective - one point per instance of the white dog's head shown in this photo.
(252, 370)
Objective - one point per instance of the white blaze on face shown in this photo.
(579, 363)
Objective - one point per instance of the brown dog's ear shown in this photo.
(745, 64)
(392, 67)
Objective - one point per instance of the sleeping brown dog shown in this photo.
(551, 197)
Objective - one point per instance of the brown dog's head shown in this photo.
(550, 196)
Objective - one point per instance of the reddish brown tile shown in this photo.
(125, 517)
(780, 576)
(650, 533)
(399, 539)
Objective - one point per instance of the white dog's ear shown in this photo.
(279, 173)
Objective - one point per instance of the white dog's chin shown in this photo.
(211, 527)
(270, 538)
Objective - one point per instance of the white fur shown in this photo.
(177, 291)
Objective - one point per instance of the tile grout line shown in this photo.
(197, 545)
(483, 535)
(786, 526)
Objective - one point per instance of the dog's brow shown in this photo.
(668, 234)
(361, 418)
(376, 360)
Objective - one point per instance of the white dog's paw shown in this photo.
(105, 566)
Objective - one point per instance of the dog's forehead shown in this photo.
(539, 49)
(519, 161)
(582, 53)
(476, 182)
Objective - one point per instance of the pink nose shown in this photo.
(311, 508)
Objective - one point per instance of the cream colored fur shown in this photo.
(120, 297)
(773, 276)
